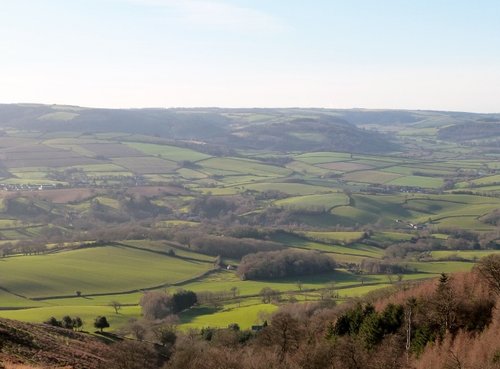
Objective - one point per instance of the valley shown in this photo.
(99, 208)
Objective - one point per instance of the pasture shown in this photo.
(325, 202)
(94, 270)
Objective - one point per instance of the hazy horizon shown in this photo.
(242, 54)
(243, 107)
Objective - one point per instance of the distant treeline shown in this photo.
(230, 247)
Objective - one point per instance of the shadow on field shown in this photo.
(188, 316)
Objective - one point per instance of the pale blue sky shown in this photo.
(425, 54)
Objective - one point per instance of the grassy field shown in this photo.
(86, 313)
(417, 181)
(472, 255)
(325, 202)
(355, 249)
(246, 167)
(247, 314)
(289, 188)
(85, 270)
(172, 153)
(345, 237)
(322, 157)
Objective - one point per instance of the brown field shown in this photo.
(63, 161)
(59, 196)
(111, 150)
(156, 190)
(371, 176)
(63, 196)
(41, 156)
(146, 164)
(30, 151)
(7, 142)
(344, 166)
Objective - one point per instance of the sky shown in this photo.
(397, 54)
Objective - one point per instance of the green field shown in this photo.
(247, 167)
(121, 268)
(472, 255)
(86, 313)
(245, 316)
(325, 202)
(345, 237)
(172, 153)
(288, 188)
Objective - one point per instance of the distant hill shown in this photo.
(350, 130)
(268, 129)
(450, 126)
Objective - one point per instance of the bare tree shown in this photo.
(115, 305)
(489, 268)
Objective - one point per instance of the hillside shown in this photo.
(45, 346)
(447, 323)
(262, 129)
(270, 129)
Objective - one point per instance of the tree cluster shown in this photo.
(231, 247)
(66, 322)
(284, 263)
(158, 305)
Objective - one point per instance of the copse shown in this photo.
(284, 263)
(158, 305)
(182, 300)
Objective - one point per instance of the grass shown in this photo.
(173, 223)
(357, 249)
(59, 116)
(322, 157)
(243, 166)
(436, 267)
(344, 166)
(325, 202)
(390, 237)
(417, 181)
(466, 222)
(97, 168)
(224, 280)
(289, 188)
(93, 270)
(145, 164)
(9, 223)
(172, 153)
(345, 237)
(87, 313)
(245, 316)
(32, 181)
(371, 176)
(306, 169)
(190, 174)
(472, 255)
(165, 247)
(410, 170)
